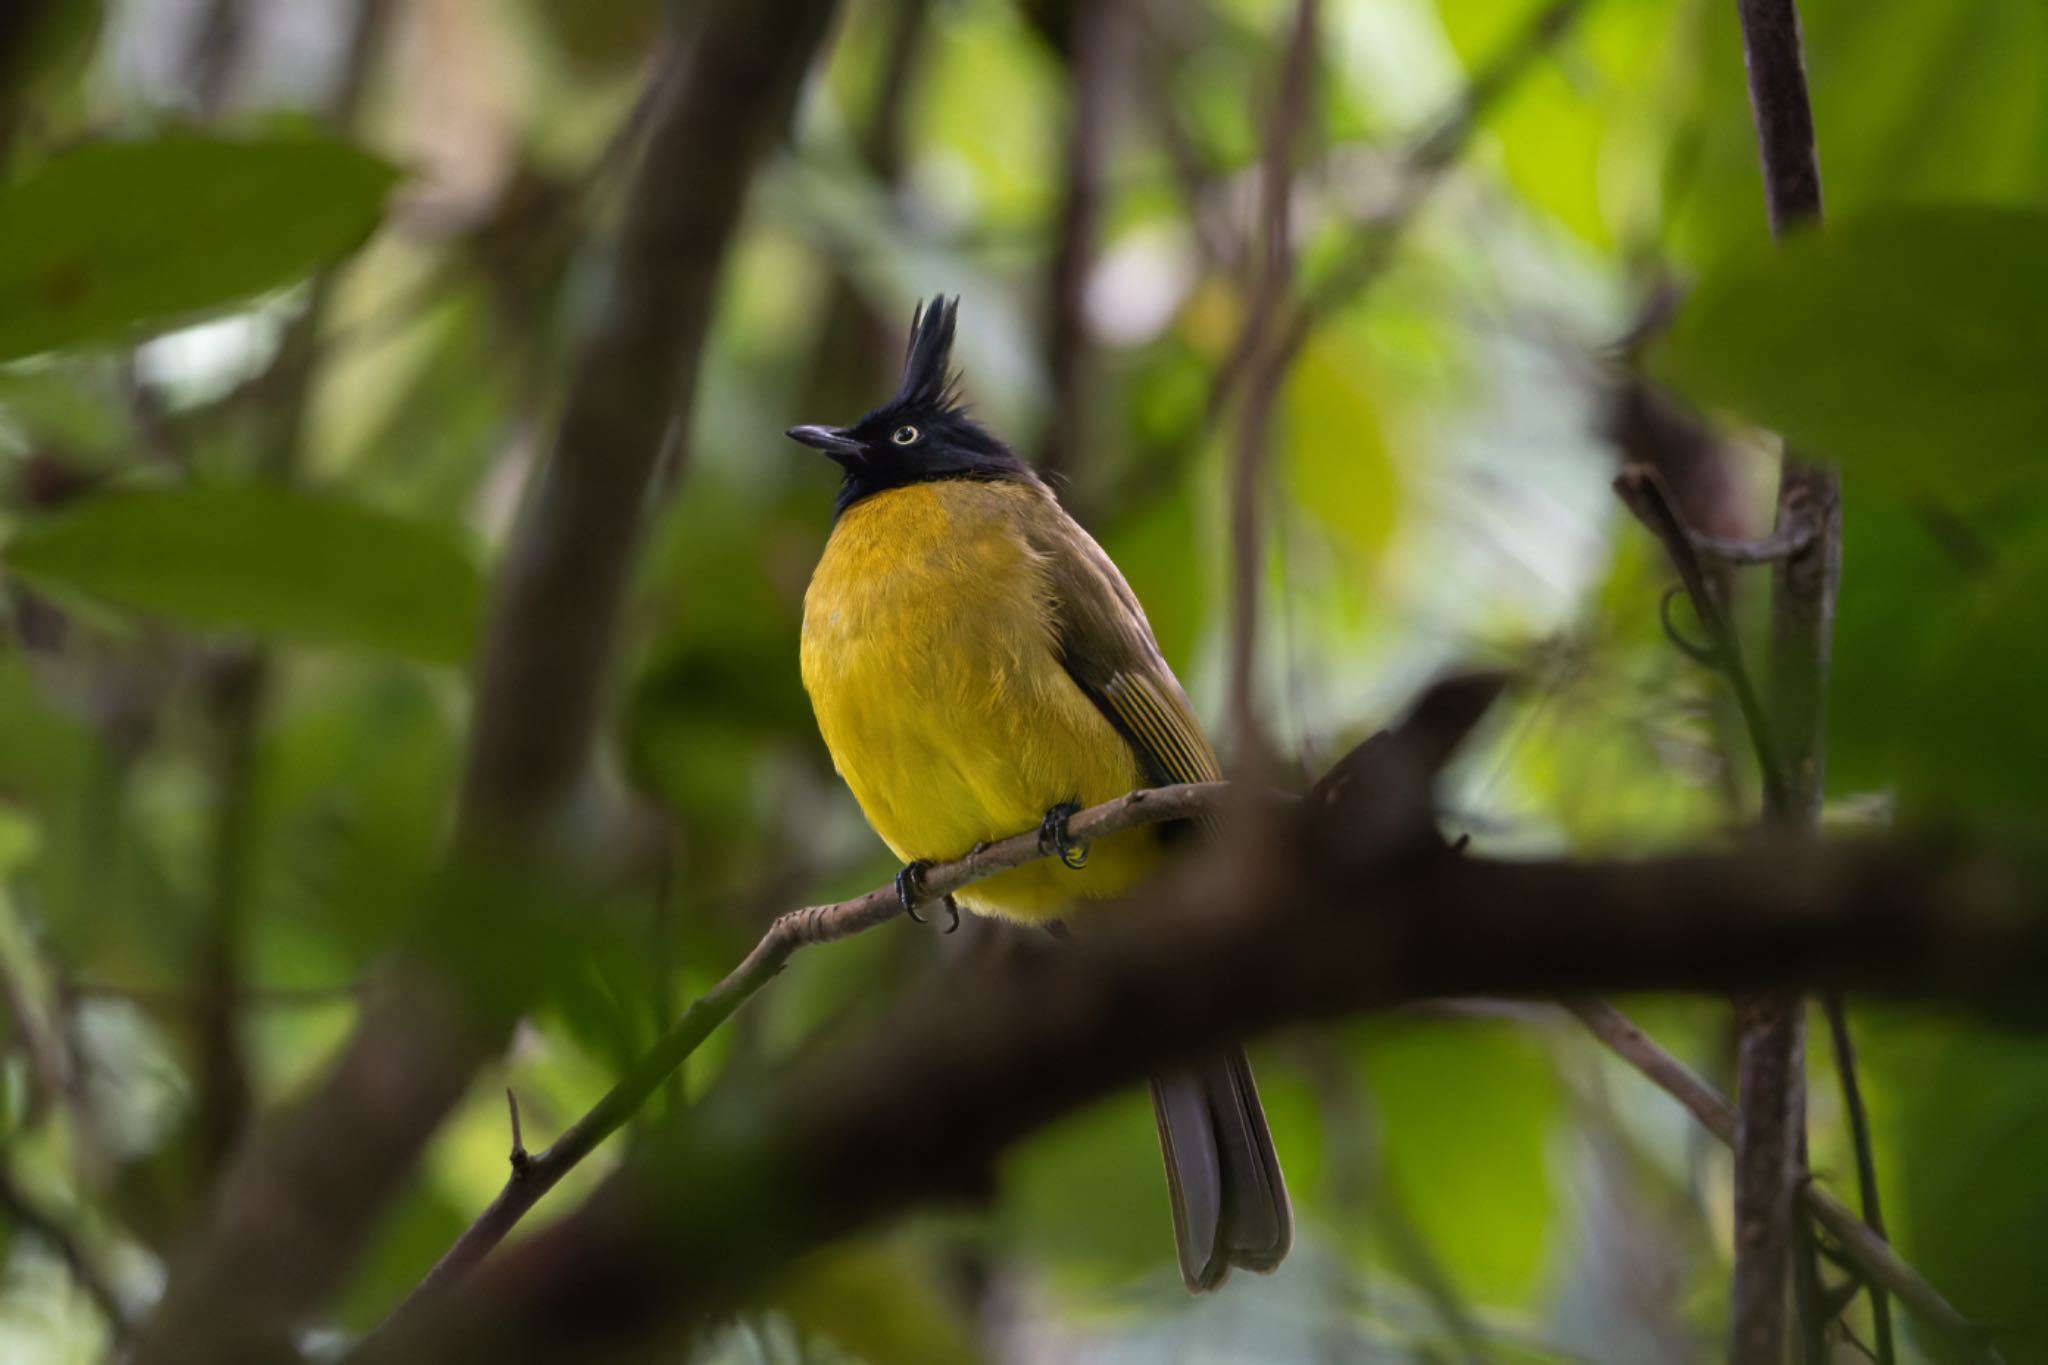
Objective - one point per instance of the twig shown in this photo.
(295, 1209)
(1864, 1246)
(1267, 363)
(1423, 170)
(1783, 543)
(520, 1157)
(1866, 1159)
(1094, 62)
(790, 932)
(1642, 490)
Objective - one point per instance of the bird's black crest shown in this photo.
(930, 383)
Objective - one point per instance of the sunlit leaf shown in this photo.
(118, 237)
(309, 569)
(1906, 345)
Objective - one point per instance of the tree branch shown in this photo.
(1862, 1245)
(1293, 923)
(1771, 1146)
(296, 1206)
(533, 1177)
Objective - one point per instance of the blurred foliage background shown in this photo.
(286, 289)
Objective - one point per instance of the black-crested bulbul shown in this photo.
(978, 667)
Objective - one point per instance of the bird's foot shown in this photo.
(910, 887)
(1055, 842)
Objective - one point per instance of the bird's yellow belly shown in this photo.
(938, 689)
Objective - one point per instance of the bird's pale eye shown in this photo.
(905, 435)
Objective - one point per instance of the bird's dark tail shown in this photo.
(1229, 1201)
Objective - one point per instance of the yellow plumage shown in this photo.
(929, 654)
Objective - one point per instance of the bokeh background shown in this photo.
(231, 713)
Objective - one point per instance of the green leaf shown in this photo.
(1464, 1117)
(121, 236)
(1906, 344)
(1938, 666)
(302, 568)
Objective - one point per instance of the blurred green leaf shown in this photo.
(1973, 1181)
(1338, 468)
(1464, 1116)
(298, 567)
(1089, 1194)
(882, 1302)
(120, 236)
(1939, 666)
(1906, 344)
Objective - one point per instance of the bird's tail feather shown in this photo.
(1230, 1203)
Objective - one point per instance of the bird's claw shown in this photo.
(953, 915)
(1055, 842)
(910, 888)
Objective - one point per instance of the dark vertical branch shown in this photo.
(293, 1212)
(856, 349)
(1770, 1144)
(241, 683)
(1267, 356)
(1094, 66)
(1866, 1162)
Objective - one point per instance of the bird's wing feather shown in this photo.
(1106, 646)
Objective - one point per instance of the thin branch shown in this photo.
(1866, 1160)
(1771, 1070)
(1863, 1246)
(1423, 169)
(1268, 364)
(293, 1212)
(1642, 490)
(795, 930)
(1094, 70)
(1783, 543)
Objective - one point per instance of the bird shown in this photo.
(979, 667)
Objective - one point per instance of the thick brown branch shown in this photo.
(1296, 926)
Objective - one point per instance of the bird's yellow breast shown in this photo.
(930, 657)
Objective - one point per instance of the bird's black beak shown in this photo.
(837, 444)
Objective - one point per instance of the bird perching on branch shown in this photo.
(978, 666)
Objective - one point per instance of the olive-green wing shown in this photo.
(1107, 648)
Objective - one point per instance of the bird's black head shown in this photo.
(924, 432)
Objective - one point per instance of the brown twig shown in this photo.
(797, 929)
(1770, 1079)
(294, 1210)
(1422, 171)
(1862, 1245)
(1094, 69)
(1267, 363)
(1837, 1011)
(1642, 490)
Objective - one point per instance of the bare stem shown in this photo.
(1863, 1246)
(1770, 1147)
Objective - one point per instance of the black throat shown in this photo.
(864, 481)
